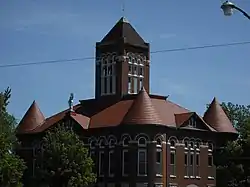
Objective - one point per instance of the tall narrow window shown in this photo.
(101, 163)
(141, 71)
(191, 165)
(197, 163)
(129, 85)
(186, 163)
(172, 163)
(129, 69)
(105, 85)
(210, 160)
(135, 69)
(142, 162)
(111, 163)
(125, 163)
(141, 83)
(142, 157)
(159, 162)
(135, 85)
(110, 85)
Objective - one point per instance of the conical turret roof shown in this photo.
(142, 111)
(217, 118)
(32, 119)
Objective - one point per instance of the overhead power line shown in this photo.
(153, 52)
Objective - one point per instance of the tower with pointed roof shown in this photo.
(122, 62)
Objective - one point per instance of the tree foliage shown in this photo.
(63, 160)
(234, 160)
(11, 166)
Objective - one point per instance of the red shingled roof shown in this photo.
(217, 118)
(32, 119)
(131, 109)
(142, 111)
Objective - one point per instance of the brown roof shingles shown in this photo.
(217, 118)
(142, 111)
(135, 109)
(32, 119)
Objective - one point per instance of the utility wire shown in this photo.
(153, 52)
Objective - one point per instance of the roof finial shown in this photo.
(70, 102)
(123, 8)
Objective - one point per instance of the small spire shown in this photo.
(71, 102)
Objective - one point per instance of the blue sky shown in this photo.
(32, 31)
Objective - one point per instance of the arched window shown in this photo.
(142, 157)
(125, 154)
(159, 160)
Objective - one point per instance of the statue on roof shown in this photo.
(71, 101)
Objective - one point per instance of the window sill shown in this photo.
(158, 175)
(172, 176)
(186, 177)
(192, 177)
(141, 175)
(210, 178)
(197, 177)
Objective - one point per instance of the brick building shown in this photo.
(136, 138)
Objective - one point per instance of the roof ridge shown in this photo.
(142, 111)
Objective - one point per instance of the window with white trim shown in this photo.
(186, 164)
(125, 156)
(108, 75)
(135, 72)
(158, 157)
(142, 157)
(125, 162)
(111, 163)
(172, 157)
(101, 163)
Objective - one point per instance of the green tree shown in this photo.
(11, 166)
(234, 160)
(63, 160)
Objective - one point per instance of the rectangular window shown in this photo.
(104, 71)
(210, 160)
(125, 163)
(186, 164)
(114, 84)
(101, 163)
(191, 160)
(129, 85)
(172, 163)
(191, 164)
(135, 82)
(197, 164)
(141, 83)
(141, 71)
(105, 85)
(130, 69)
(110, 85)
(135, 70)
(197, 159)
(142, 162)
(159, 162)
(110, 70)
(111, 163)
